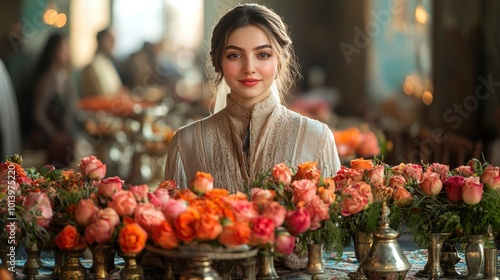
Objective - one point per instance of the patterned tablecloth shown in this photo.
(334, 269)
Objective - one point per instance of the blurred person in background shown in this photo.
(53, 102)
(101, 77)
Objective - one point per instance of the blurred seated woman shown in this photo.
(54, 97)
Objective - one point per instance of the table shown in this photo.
(335, 269)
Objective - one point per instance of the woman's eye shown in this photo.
(233, 56)
(264, 55)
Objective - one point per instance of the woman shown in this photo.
(54, 97)
(251, 130)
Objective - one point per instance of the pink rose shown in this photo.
(38, 204)
(285, 243)
(472, 192)
(100, 232)
(159, 197)
(261, 195)
(110, 215)
(85, 211)
(202, 183)
(453, 187)
(282, 174)
(376, 175)
(365, 190)
(397, 181)
(109, 186)
(148, 217)
(124, 203)
(318, 211)
(262, 231)
(347, 176)
(431, 183)
(303, 190)
(441, 169)
(243, 210)
(491, 177)
(412, 171)
(92, 168)
(173, 208)
(297, 221)
(464, 170)
(140, 192)
(352, 202)
(274, 211)
(368, 146)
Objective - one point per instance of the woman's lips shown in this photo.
(249, 82)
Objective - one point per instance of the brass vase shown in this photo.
(32, 264)
(73, 268)
(449, 258)
(200, 268)
(315, 265)
(362, 243)
(474, 256)
(248, 266)
(58, 263)
(432, 268)
(132, 269)
(266, 265)
(100, 258)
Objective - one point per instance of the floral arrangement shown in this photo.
(310, 200)
(361, 142)
(362, 190)
(463, 201)
(206, 216)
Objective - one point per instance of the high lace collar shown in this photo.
(260, 109)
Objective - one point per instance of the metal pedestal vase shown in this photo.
(315, 265)
(132, 270)
(200, 269)
(32, 265)
(432, 268)
(362, 244)
(73, 269)
(474, 256)
(100, 258)
(449, 258)
(266, 265)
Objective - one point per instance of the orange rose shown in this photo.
(185, 224)
(132, 238)
(235, 234)
(164, 236)
(361, 164)
(185, 194)
(69, 238)
(5, 274)
(208, 227)
(282, 174)
(202, 183)
(402, 197)
(347, 140)
(308, 170)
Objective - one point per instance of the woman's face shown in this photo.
(249, 65)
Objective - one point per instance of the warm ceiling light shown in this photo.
(421, 15)
(61, 20)
(50, 16)
(427, 98)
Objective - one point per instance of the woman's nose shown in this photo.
(249, 65)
